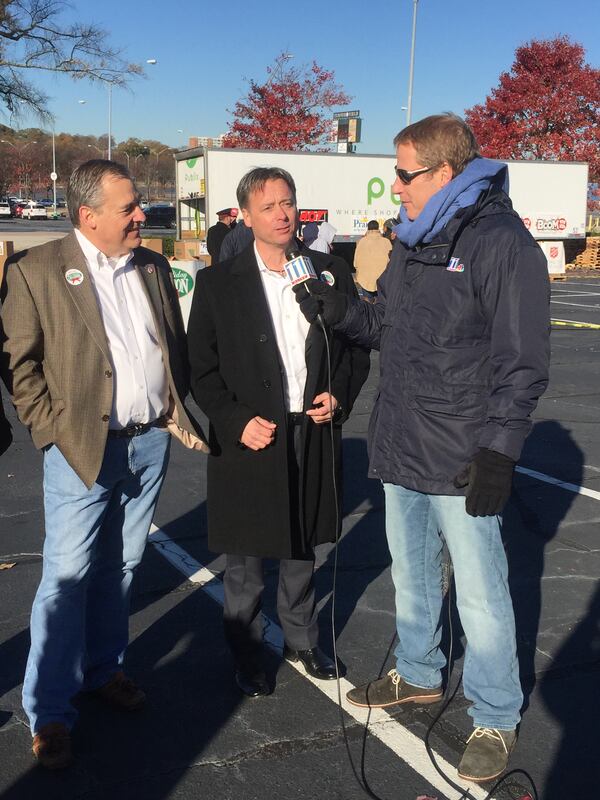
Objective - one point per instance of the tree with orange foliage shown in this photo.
(546, 107)
(287, 112)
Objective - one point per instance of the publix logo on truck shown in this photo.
(376, 189)
(184, 283)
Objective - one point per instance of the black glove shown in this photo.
(321, 299)
(488, 479)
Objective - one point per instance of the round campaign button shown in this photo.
(74, 276)
(327, 277)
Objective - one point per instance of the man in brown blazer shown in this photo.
(95, 360)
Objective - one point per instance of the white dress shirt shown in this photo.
(140, 384)
(291, 330)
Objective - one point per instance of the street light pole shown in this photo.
(54, 176)
(412, 62)
(109, 149)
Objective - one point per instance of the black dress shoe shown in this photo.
(314, 661)
(252, 682)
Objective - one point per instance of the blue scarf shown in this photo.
(461, 192)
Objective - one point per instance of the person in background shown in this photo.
(462, 323)
(371, 257)
(235, 241)
(388, 229)
(217, 232)
(309, 233)
(324, 240)
(260, 374)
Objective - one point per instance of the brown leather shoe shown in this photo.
(122, 693)
(52, 746)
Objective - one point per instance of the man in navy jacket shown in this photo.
(462, 325)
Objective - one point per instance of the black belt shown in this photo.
(295, 417)
(135, 429)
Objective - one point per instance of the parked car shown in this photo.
(160, 216)
(18, 209)
(6, 211)
(34, 211)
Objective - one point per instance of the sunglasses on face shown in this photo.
(406, 177)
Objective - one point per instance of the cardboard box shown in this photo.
(6, 250)
(193, 234)
(156, 245)
(187, 249)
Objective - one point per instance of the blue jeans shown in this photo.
(414, 524)
(95, 538)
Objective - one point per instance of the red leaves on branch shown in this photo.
(546, 107)
(287, 112)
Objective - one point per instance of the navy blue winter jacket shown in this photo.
(462, 325)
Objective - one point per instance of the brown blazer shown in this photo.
(56, 357)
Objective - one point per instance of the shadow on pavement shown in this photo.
(574, 701)
(530, 524)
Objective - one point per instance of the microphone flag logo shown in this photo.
(299, 270)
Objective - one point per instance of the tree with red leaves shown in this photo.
(287, 112)
(546, 107)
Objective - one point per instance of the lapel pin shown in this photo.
(150, 269)
(74, 276)
(327, 277)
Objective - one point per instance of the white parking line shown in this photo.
(578, 284)
(570, 487)
(402, 742)
(575, 305)
(577, 294)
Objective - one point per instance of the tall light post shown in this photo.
(53, 176)
(412, 62)
(109, 148)
(110, 85)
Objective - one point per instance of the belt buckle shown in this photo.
(135, 429)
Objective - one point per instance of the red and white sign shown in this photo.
(312, 215)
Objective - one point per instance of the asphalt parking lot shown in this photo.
(199, 738)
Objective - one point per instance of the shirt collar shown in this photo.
(96, 259)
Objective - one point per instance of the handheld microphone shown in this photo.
(299, 269)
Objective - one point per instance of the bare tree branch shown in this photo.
(32, 38)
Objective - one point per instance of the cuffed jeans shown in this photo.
(414, 524)
(95, 538)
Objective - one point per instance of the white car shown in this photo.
(34, 211)
(5, 209)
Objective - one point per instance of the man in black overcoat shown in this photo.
(259, 372)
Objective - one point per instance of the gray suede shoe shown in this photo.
(391, 690)
(486, 754)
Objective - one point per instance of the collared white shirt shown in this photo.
(291, 330)
(140, 383)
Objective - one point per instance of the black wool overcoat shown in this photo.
(236, 375)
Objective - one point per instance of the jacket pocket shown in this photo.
(454, 402)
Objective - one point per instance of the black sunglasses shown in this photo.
(406, 177)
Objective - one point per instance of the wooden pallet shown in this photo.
(557, 276)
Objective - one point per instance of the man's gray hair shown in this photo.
(85, 185)
(255, 180)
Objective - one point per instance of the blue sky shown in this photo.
(205, 52)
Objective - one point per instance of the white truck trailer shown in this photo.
(349, 189)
